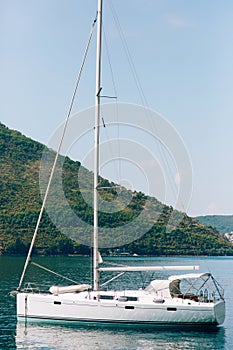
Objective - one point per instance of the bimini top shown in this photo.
(165, 286)
(188, 276)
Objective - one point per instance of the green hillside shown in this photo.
(20, 204)
(223, 223)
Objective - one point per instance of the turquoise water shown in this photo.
(15, 335)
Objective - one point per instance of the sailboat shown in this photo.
(190, 299)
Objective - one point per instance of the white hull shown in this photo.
(87, 307)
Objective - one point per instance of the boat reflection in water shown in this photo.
(49, 336)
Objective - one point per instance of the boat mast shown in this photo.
(96, 148)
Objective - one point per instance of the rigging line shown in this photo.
(114, 264)
(164, 159)
(51, 271)
(142, 95)
(112, 156)
(109, 62)
(112, 279)
(128, 55)
(110, 97)
(137, 82)
(145, 104)
(57, 154)
(134, 73)
(117, 170)
(167, 165)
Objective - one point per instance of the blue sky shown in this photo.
(183, 54)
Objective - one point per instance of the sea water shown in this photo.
(18, 335)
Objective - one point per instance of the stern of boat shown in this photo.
(219, 311)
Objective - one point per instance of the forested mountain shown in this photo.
(20, 203)
(223, 223)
